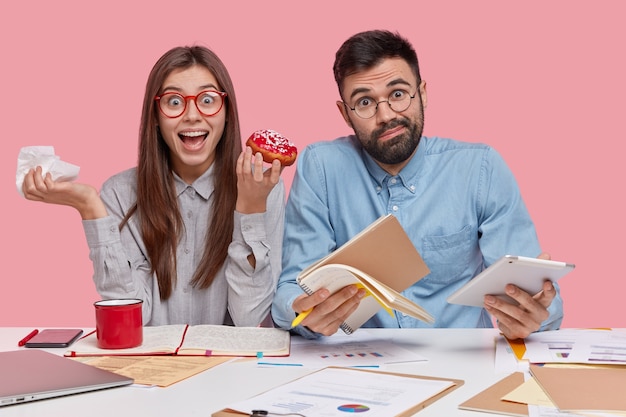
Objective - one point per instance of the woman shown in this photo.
(195, 230)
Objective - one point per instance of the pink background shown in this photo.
(541, 81)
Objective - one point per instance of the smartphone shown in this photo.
(527, 273)
(54, 338)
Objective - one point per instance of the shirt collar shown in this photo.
(407, 175)
(203, 185)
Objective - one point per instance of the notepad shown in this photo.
(383, 260)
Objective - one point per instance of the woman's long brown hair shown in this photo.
(156, 206)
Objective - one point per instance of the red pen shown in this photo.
(28, 337)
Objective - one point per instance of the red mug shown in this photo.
(119, 323)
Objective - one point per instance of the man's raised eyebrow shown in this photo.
(398, 81)
(392, 83)
(359, 91)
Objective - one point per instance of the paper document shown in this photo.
(360, 349)
(161, 371)
(541, 411)
(529, 392)
(335, 392)
(506, 361)
(577, 346)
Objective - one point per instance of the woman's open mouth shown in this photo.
(193, 139)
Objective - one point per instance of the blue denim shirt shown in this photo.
(458, 202)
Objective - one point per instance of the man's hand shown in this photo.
(518, 321)
(328, 311)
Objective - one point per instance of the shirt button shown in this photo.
(395, 208)
(393, 180)
(112, 229)
(412, 188)
(187, 250)
(189, 214)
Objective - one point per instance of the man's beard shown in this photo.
(398, 149)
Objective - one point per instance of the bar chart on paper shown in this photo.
(360, 352)
(288, 407)
(356, 350)
(591, 346)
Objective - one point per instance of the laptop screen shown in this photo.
(32, 374)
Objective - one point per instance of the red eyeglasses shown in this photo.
(208, 103)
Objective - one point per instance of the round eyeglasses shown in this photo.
(398, 101)
(208, 103)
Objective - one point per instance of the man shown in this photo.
(458, 202)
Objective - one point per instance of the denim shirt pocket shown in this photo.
(449, 256)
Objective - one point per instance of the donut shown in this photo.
(272, 145)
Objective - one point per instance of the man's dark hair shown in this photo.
(367, 49)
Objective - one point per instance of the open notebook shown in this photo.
(31, 374)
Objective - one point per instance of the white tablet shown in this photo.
(526, 273)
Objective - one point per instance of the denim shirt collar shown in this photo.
(408, 175)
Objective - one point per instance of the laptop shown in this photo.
(32, 374)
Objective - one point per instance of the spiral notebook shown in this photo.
(382, 251)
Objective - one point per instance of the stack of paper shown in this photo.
(568, 372)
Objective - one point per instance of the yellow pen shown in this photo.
(300, 317)
(368, 292)
(305, 313)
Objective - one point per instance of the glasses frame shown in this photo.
(411, 97)
(186, 99)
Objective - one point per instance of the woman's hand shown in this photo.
(253, 183)
(84, 198)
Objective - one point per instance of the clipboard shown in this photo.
(489, 400)
(456, 383)
(596, 389)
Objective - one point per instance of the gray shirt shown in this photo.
(239, 292)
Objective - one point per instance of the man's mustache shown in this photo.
(391, 125)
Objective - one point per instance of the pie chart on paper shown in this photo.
(353, 408)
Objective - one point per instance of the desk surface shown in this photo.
(466, 354)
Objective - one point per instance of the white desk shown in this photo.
(466, 354)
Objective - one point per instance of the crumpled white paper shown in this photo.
(43, 156)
